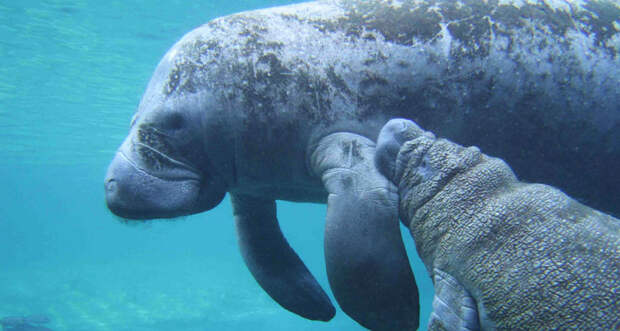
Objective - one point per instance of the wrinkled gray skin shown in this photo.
(503, 254)
(285, 103)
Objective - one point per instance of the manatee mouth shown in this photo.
(132, 192)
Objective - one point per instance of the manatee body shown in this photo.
(286, 103)
(503, 254)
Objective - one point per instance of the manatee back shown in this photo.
(488, 74)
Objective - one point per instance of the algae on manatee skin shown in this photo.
(469, 21)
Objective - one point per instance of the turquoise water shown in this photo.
(71, 76)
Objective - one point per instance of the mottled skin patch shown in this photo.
(470, 21)
(600, 19)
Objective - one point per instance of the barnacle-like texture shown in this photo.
(532, 257)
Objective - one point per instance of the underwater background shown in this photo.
(71, 76)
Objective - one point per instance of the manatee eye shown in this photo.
(173, 121)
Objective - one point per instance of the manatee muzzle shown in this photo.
(136, 191)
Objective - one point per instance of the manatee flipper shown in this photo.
(367, 264)
(272, 261)
(454, 309)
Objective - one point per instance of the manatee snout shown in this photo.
(391, 138)
(134, 193)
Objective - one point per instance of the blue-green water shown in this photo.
(71, 76)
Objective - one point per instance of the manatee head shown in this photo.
(394, 134)
(176, 159)
(421, 165)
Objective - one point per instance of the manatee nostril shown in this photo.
(174, 121)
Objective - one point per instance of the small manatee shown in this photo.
(503, 254)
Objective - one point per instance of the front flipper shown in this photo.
(454, 309)
(367, 265)
(274, 264)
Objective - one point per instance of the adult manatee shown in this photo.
(285, 103)
(503, 254)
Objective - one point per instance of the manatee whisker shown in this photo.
(168, 158)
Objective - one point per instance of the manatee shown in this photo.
(286, 104)
(502, 253)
